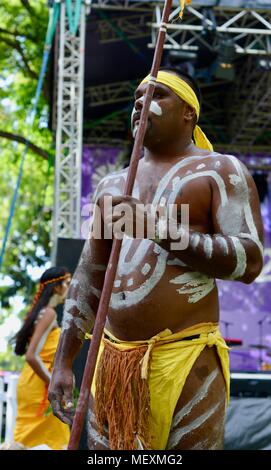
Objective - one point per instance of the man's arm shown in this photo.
(79, 314)
(234, 251)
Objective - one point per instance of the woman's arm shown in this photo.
(44, 325)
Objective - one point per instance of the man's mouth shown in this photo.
(136, 119)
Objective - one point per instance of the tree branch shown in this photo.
(17, 33)
(22, 140)
(28, 7)
(16, 45)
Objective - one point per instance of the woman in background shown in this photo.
(38, 340)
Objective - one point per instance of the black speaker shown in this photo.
(251, 384)
(68, 254)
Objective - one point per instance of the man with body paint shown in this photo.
(162, 380)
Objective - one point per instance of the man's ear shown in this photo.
(189, 112)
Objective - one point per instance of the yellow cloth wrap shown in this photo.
(33, 425)
(166, 365)
(187, 94)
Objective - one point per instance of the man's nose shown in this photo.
(139, 103)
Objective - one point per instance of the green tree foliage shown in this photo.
(22, 34)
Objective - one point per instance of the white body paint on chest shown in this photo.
(125, 268)
(213, 174)
(175, 262)
(126, 298)
(199, 167)
(169, 176)
(196, 285)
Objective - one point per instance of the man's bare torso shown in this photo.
(152, 289)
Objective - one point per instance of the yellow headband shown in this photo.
(186, 93)
(183, 4)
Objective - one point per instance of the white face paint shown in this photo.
(154, 107)
(135, 129)
(132, 117)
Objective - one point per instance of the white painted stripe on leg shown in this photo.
(93, 433)
(179, 433)
(202, 393)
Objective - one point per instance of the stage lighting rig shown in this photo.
(225, 59)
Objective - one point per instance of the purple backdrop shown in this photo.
(248, 309)
(242, 306)
(96, 163)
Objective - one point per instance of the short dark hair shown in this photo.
(186, 77)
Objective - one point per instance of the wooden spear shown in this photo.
(110, 274)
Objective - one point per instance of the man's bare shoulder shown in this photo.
(113, 184)
(224, 163)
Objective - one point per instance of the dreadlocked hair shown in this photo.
(50, 278)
